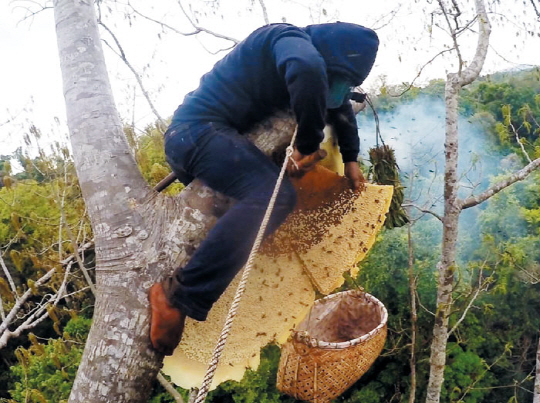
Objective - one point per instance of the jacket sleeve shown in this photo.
(343, 121)
(304, 72)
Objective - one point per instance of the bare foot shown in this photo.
(167, 322)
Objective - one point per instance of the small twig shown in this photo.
(422, 305)
(420, 72)
(516, 135)
(469, 305)
(214, 52)
(31, 13)
(392, 14)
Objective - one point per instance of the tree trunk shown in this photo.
(140, 235)
(414, 316)
(536, 396)
(448, 259)
(452, 207)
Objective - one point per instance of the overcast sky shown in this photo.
(171, 65)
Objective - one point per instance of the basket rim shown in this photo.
(313, 342)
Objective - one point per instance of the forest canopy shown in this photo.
(495, 322)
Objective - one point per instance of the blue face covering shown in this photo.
(339, 92)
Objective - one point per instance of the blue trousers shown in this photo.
(229, 163)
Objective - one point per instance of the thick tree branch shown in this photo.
(472, 72)
(493, 190)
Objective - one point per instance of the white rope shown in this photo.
(209, 376)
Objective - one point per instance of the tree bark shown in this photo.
(448, 258)
(452, 207)
(140, 235)
(414, 316)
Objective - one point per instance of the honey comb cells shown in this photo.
(330, 231)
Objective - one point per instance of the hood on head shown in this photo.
(347, 49)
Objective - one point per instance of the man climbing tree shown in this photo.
(312, 70)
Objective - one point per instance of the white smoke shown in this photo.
(416, 131)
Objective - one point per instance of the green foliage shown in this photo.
(45, 372)
(256, 386)
(502, 252)
(465, 374)
(150, 156)
(512, 103)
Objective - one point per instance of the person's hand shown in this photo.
(352, 171)
(299, 163)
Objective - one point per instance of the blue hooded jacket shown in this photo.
(280, 66)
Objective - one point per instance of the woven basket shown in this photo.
(333, 347)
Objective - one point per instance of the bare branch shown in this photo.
(481, 287)
(34, 320)
(22, 300)
(122, 56)
(8, 276)
(169, 388)
(216, 51)
(2, 312)
(31, 13)
(480, 376)
(535, 8)
(18, 304)
(197, 30)
(434, 214)
(73, 241)
(265, 13)
(163, 25)
(519, 141)
(392, 14)
(452, 34)
(202, 29)
(60, 292)
(422, 305)
(493, 190)
(421, 69)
